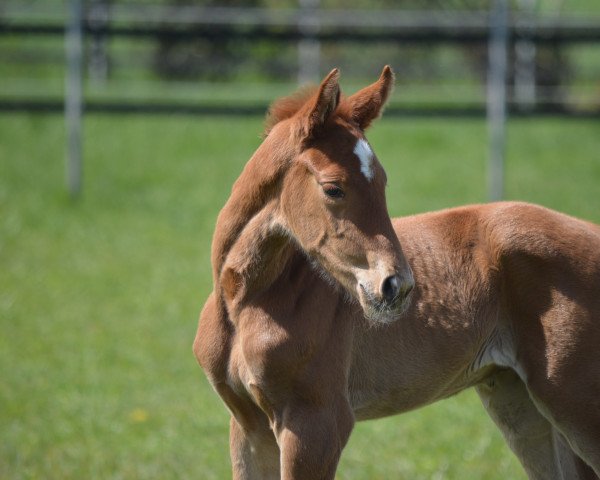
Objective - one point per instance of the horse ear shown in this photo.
(367, 104)
(324, 104)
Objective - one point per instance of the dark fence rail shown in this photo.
(474, 111)
(294, 25)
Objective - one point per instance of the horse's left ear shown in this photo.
(367, 104)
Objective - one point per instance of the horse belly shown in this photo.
(380, 387)
(413, 362)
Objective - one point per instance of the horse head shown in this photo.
(326, 189)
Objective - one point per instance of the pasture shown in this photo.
(99, 298)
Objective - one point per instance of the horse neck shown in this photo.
(249, 247)
(256, 258)
(257, 184)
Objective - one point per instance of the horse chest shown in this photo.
(282, 347)
(265, 353)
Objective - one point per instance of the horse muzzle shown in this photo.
(386, 297)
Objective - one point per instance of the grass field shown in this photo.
(99, 298)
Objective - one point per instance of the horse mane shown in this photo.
(287, 107)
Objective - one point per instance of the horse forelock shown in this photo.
(287, 107)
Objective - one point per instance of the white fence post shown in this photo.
(73, 97)
(496, 97)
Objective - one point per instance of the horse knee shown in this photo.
(254, 454)
(312, 441)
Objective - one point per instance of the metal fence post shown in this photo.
(496, 97)
(98, 16)
(73, 97)
(525, 52)
(309, 48)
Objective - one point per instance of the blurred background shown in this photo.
(123, 125)
(160, 55)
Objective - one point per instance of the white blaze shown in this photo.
(365, 155)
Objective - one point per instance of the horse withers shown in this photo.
(324, 311)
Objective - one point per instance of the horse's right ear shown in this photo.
(320, 108)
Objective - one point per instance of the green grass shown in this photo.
(99, 298)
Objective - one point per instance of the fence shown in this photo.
(310, 31)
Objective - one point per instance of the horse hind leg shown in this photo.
(568, 460)
(540, 448)
(572, 406)
(564, 384)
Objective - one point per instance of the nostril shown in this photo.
(390, 288)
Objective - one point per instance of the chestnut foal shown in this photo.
(314, 322)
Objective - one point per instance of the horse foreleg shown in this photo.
(540, 448)
(311, 439)
(254, 454)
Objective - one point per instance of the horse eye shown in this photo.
(333, 191)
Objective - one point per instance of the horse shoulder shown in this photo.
(284, 333)
(452, 256)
